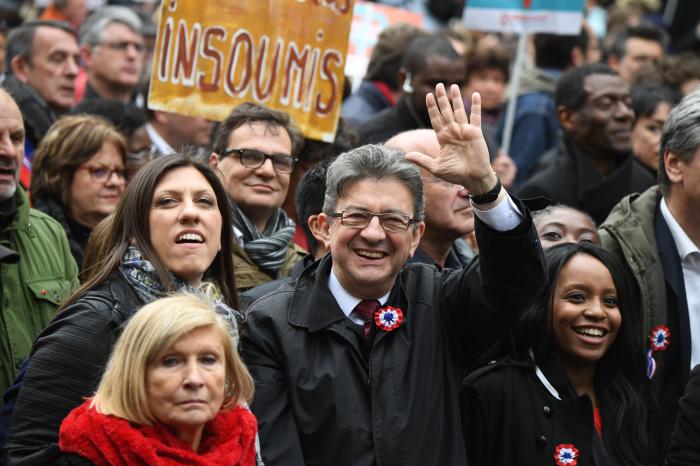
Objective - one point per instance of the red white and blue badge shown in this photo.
(388, 318)
(660, 338)
(566, 454)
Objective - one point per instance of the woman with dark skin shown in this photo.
(574, 389)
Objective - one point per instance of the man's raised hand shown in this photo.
(463, 157)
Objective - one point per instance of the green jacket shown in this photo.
(33, 288)
(248, 275)
(628, 233)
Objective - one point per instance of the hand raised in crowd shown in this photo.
(463, 157)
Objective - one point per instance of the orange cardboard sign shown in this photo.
(285, 54)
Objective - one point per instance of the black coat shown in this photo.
(511, 417)
(325, 396)
(65, 366)
(567, 176)
(78, 235)
(685, 440)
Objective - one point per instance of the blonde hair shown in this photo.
(70, 142)
(152, 330)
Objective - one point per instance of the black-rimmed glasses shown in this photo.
(251, 158)
(390, 221)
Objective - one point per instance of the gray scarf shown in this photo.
(268, 249)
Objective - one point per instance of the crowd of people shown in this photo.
(181, 291)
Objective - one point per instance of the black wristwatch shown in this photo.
(489, 196)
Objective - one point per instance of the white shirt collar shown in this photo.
(684, 244)
(162, 147)
(346, 301)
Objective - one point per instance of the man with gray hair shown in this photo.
(657, 233)
(359, 361)
(113, 51)
(42, 66)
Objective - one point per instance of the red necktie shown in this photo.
(365, 309)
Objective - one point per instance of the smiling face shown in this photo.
(259, 192)
(185, 382)
(565, 225)
(92, 200)
(603, 126)
(367, 260)
(585, 312)
(185, 223)
(11, 145)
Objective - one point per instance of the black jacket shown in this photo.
(77, 234)
(513, 416)
(325, 396)
(65, 366)
(36, 113)
(685, 441)
(567, 176)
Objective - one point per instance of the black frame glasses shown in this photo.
(390, 221)
(252, 158)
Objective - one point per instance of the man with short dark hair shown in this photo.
(593, 167)
(32, 289)
(113, 51)
(657, 233)
(381, 86)
(359, 361)
(635, 47)
(42, 65)
(255, 150)
(535, 126)
(429, 60)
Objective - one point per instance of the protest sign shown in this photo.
(285, 54)
(525, 16)
(368, 21)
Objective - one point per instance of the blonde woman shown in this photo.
(173, 392)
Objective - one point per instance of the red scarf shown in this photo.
(108, 440)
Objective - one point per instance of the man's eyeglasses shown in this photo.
(390, 221)
(251, 158)
(122, 46)
(101, 173)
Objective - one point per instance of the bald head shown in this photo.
(11, 145)
(417, 140)
(448, 213)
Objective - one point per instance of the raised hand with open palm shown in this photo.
(463, 157)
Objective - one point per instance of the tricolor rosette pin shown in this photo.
(388, 318)
(566, 454)
(659, 338)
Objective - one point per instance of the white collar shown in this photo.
(684, 244)
(162, 147)
(345, 300)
